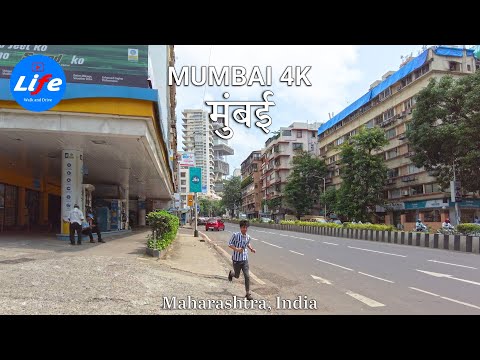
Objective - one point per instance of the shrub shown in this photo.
(469, 229)
(164, 229)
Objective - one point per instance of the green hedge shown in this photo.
(469, 229)
(164, 229)
(378, 227)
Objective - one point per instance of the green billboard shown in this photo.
(121, 65)
(195, 179)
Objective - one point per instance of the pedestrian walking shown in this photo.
(75, 218)
(239, 243)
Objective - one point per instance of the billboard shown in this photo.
(120, 65)
(195, 179)
(187, 159)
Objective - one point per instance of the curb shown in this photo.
(228, 256)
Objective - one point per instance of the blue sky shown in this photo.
(339, 75)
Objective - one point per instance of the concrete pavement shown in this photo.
(43, 275)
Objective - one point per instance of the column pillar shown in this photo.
(72, 179)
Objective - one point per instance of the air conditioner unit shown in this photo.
(405, 192)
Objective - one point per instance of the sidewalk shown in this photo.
(43, 275)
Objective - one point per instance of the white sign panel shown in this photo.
(187, 159)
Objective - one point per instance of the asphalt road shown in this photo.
(347, 276)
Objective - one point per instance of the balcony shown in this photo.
(223, 150)
(408, 178)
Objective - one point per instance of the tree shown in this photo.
(305, 183)
(232, 194)
(445, 130)
(363, 174)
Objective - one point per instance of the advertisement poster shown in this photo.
(121, 65)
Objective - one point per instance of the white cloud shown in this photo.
(332, 71)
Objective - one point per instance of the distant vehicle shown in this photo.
(215, 224)
(265, 220)
(201, 221)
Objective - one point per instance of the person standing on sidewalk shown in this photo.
(75, 218)
(239, 243)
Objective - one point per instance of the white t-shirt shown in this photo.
(76, 215)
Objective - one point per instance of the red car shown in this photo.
(215, 224)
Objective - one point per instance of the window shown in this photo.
(287, 133)
(469, 68)
(297, 146)
(391, 133)
(388, 114)
(313, 134)
(432, 188)
(407, 104)
(453, 66)
(412, 169)
(391, 154)
(431, 216)
(183, 182)
(392, 173)
(369, 124)
(184, 197)
(416, 190)
(340, 140)
(183, 190)
(395, 193)
(299, 133)
(182, 174)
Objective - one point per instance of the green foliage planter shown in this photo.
(153, 252)
(164, 230)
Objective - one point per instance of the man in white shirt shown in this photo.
(76, 217)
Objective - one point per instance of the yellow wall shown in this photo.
(115, 106)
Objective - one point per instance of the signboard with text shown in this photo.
(121, 65)
(195, 179)
(187, 159)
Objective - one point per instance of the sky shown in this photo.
(339, 75)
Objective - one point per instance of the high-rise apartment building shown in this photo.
(411, 192)
(277, 158)
(197, 139)
(221, 167)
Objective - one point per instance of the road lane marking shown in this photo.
(376, 277)
(343, 267)
(329, 243)
(460, 302)
(364, 299)
(272, 244)
(380, 252)
(440, 275)
(447, 298)
(295, 252)
(441, 262)
(426, 292)
(320, 280)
